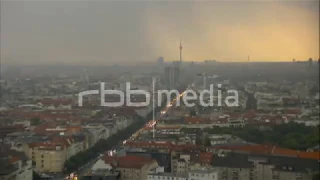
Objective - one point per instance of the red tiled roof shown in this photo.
(249, 115)
(51, 145)
(73, 129)
(121, 111)
(205, 157)
(132, 162)
(165, 145)
(13, 159)
(293, 111)
(55, 102)
(47, 145)
(272, 118)
(309, 155)
(43, 129)
(221, 121)
(255, 149)
(269, 149)
(196, 120)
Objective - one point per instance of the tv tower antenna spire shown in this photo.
(180, 47)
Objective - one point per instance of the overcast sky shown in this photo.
(105, 32)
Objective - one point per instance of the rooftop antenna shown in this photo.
(153, 106)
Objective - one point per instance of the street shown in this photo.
(86, 168)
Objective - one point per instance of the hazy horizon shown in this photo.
(109, 32)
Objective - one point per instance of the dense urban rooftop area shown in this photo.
(159, 90)
(272, 132)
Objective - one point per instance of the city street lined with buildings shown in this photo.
(58, 137)
(83, 95)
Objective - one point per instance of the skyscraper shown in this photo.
(160, 61)
(310, 61)
(171, 75)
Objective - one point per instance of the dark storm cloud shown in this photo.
(103, 32)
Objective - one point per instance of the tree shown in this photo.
(193, 113)
(35, 121)
(198, 140)
(103, 145)
(291, 135)
(173, 136)
(207, 142)
(35, 175)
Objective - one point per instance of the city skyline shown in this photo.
(130, 32)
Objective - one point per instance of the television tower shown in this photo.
(180, 47)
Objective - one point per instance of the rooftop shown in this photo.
(103, 172)
(129, 161)
(165, 174)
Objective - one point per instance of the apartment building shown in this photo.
(96, 132)
(47, 156)
(14, 165)
(130, 167)
(165, 176)
(197, 174)
(237, 166)
(54, 104)
(50, 155)
(233, 168)
(163, 158)
(78, 143)
(182, 163)
(203, 174)
(179, 163)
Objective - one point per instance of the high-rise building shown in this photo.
(310, 62)
(160, 61)
(171, 75)
(160, 64)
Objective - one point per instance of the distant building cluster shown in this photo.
(45, 134)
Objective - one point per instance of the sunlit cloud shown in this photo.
(104, 32)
